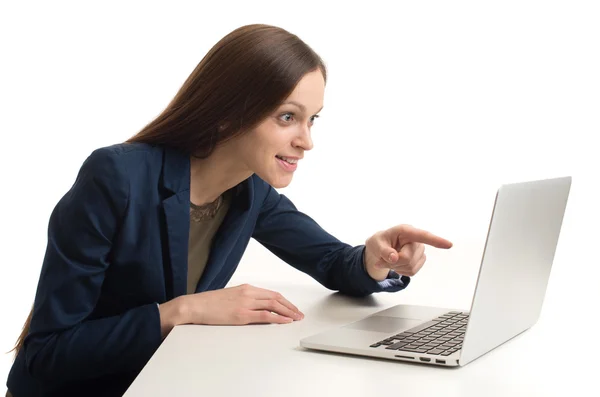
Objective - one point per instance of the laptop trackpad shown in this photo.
(384, 324)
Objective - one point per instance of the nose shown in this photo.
(304, 139)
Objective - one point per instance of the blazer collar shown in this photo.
(176, 177)
(176, 171)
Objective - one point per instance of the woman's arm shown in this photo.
(62, 344)
(298, 240)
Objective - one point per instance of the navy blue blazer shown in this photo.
(117, 246)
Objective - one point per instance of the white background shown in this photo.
(429, 107)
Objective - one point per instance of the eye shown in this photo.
(287, 117)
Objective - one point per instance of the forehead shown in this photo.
(309, 91)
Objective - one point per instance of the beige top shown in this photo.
(204, 223)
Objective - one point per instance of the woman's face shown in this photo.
(273, 150)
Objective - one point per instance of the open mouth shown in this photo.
(287, 160)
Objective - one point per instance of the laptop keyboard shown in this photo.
(440, 336)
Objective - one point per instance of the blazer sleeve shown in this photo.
(298, 240)
(63, 344)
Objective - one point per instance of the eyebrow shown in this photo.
(301, 106)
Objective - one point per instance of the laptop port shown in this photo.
(426, 359)
(411, 358)
(440, 361)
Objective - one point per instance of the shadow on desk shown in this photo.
(339, 307)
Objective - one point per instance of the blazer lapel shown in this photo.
(176, 210)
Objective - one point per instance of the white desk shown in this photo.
(266, 360)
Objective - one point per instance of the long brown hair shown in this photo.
(242, 79)
(239, 82)
(21, 340)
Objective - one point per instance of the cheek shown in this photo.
(272, 141)
(264, 143)
(254, 146)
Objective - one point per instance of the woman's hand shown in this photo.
(244, 304)
(400, 248)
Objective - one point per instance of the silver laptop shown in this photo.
(517, 258)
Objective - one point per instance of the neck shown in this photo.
(212, 176)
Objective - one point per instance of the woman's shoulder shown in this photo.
(123, 170)
(123, 163)
(128, 150)
(125, 156)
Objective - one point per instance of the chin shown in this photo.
(275, 178)
(280, 184)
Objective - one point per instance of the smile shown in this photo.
(288, 160)
(288, 165)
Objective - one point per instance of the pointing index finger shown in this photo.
(406, 233)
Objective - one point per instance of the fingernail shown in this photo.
(391, 257)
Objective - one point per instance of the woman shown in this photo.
(152, 229)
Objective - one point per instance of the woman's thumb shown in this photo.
(389, 255)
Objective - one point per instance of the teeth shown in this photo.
(291, 161)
